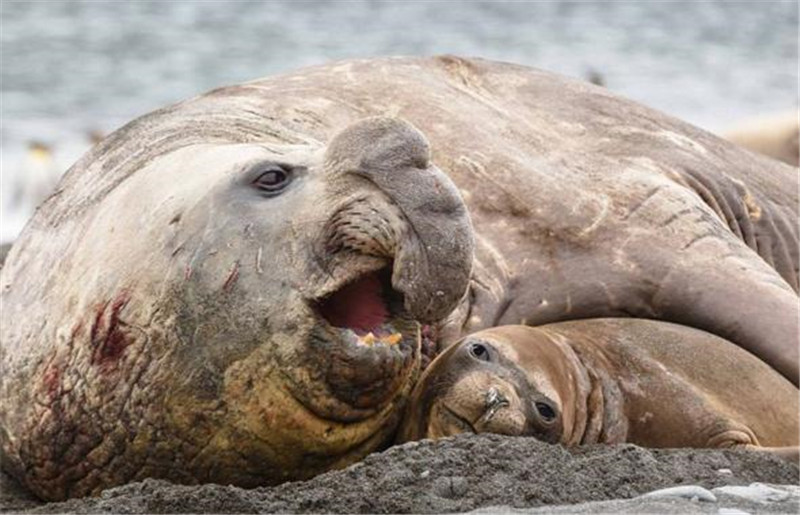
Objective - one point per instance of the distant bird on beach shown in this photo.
(95, 136)
(595, 77)
(36, 179)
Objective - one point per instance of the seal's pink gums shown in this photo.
(359, 306)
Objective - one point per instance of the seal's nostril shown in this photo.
(493, 401)
(491, 395)
(494, 397)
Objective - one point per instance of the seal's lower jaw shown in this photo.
(366, 341)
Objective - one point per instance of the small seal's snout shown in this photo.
(494, 401)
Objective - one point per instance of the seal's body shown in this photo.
(231, 289)
(650, 383)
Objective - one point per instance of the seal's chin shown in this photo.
(364, 343)
(447, 421)
(367, 311)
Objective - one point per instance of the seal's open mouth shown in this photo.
(364, 343)
(369, 311)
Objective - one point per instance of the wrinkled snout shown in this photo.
(408, 211)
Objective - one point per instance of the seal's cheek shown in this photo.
(506, 421)
(268, 435)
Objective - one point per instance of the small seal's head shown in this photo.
(477, 386)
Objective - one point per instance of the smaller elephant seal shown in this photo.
(776, 136)
(650, 383)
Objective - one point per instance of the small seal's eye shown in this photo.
(272, 179)
(479, 351)
(545, 411)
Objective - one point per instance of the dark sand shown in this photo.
(467, 473)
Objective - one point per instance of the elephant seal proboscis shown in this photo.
(180, 307)
(651, 383)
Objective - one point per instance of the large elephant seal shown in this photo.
(646, 382)
(243, 313)
(171, 310)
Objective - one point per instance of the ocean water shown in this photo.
(72, 67)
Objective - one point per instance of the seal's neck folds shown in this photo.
(594, 413)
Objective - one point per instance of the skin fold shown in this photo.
(215, 291)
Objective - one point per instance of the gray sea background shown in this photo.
(71, 67)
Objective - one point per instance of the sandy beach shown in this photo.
(480, 472)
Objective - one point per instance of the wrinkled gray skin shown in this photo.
(173, 328)
(158, 315)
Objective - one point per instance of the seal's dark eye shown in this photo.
(545, 411)
(479, 351)
(272, 180)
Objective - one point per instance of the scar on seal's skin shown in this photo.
(233, 275)
(108, 339)
(52, 381)
(76, 329)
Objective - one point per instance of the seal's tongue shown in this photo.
(359, 306)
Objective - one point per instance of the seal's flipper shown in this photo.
(725, 289)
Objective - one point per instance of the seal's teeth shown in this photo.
(392, 339)
(370, 339)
